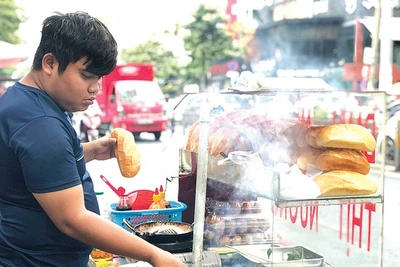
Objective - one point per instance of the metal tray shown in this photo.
(279, 256)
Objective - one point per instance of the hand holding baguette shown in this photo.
(126, 152)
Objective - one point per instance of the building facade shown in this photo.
(330, 39)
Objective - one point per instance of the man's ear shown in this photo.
(49, 64)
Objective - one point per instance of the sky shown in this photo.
(130, 21)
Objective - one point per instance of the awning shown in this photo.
(369, 23)
(11, 55)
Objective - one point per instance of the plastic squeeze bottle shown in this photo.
(163, 200)
(156, 201)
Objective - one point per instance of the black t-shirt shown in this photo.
(39, 152)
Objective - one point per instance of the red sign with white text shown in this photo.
(344, 232)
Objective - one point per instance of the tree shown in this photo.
(166, 63)
(207, 42)
(9, 25)
(9, 22)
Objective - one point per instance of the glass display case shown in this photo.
(291, 204)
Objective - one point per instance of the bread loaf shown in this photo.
(237, 116)
(192, 143)
(226, 140)
(297, 133)
(352, 136)
(311, 134)
(308, 157)
(343, 159)
(344, 183)
(126, 152)
(221, 141)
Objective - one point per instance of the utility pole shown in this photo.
(203, 78)
(372, 79)
(386, 50)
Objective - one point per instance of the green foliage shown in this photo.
(9, 21)
(321, 112)
(6, 72)
(207, 42)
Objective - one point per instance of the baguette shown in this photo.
(221, 141)
(343, 159)
(311, 134)
(308, 157)
(192, 143)
(226, 140)
(352, 136)
(126, 152)
(193, 135)
(344, 183)
(300, 135)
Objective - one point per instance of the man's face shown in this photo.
(75, 89)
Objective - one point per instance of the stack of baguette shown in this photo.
(333, 149)
(336, 150)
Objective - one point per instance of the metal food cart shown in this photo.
(336, 230)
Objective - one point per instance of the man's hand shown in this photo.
(100, 149)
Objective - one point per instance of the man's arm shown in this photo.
(67, 210)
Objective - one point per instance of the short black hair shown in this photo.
(73, 36)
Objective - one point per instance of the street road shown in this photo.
(350, 238)
(391, 235)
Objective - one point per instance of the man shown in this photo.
(48, 208)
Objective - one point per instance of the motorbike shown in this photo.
(90, 123)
